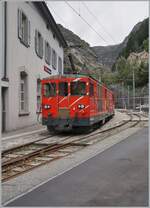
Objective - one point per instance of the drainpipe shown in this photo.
(5, 42)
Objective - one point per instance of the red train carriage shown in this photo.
(70, 101)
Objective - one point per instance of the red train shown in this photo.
(71, 101)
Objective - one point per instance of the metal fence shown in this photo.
(136, 103)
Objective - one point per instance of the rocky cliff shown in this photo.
(84, 58)
(91, 59)
(108, 55)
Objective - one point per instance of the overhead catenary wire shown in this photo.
(58, 16)
(99, 23)
(86, 22)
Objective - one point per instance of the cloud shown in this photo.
(118, 18)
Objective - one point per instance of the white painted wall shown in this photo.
(21, 57)
(1, 59)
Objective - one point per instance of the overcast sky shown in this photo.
(112, 20)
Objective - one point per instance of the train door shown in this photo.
(49, 99)
(105, 99)
(100, 101)
(92, 99)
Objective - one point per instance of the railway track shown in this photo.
(18, 160)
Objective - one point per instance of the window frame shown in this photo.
(22, 92)
(23, 80)
(47, 53)
(21, 35)
(54, 59)
(38, 50)
(63, 95)
(60, 65)
(73, 94)
(38, 92)
(91, 94)
(50, 84)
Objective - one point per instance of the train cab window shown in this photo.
(91, 89)
(78, 88)
(50, 89)
(63, 88)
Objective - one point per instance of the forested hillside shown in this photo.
(138, 39)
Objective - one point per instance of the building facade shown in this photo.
(139, 57)
(1, 56)
(33, 48)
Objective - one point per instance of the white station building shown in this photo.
(32, 48)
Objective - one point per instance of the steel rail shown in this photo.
(57, 146)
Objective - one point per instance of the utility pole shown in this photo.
(128, 96)
(122, 95)
(133, 89)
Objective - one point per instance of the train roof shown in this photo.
(69, 76)
(74, 76)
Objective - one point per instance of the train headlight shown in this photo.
(81, 106)
(47, 107)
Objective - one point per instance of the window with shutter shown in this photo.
(36, 33)
(41, 48)
(23, 92)
(47, 53)
(23, 28)
(29, 36)
(38, 95)
(19, 24)
(38, 44)
(54, 59)
(59, 65)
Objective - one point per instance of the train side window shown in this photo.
(50, 89)
(99, 91)
(91, 89)
(63, 88)
(78, 88)
(100, 100)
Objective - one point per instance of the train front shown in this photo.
(65, 103)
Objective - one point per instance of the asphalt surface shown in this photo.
(116, 177)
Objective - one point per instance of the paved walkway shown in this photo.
(23, 131)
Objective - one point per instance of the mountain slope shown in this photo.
(136, 39)
(84, 58)
(107, 54)
(133, 42)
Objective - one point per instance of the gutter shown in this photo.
(5, 43)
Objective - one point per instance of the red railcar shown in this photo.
(70, 101)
